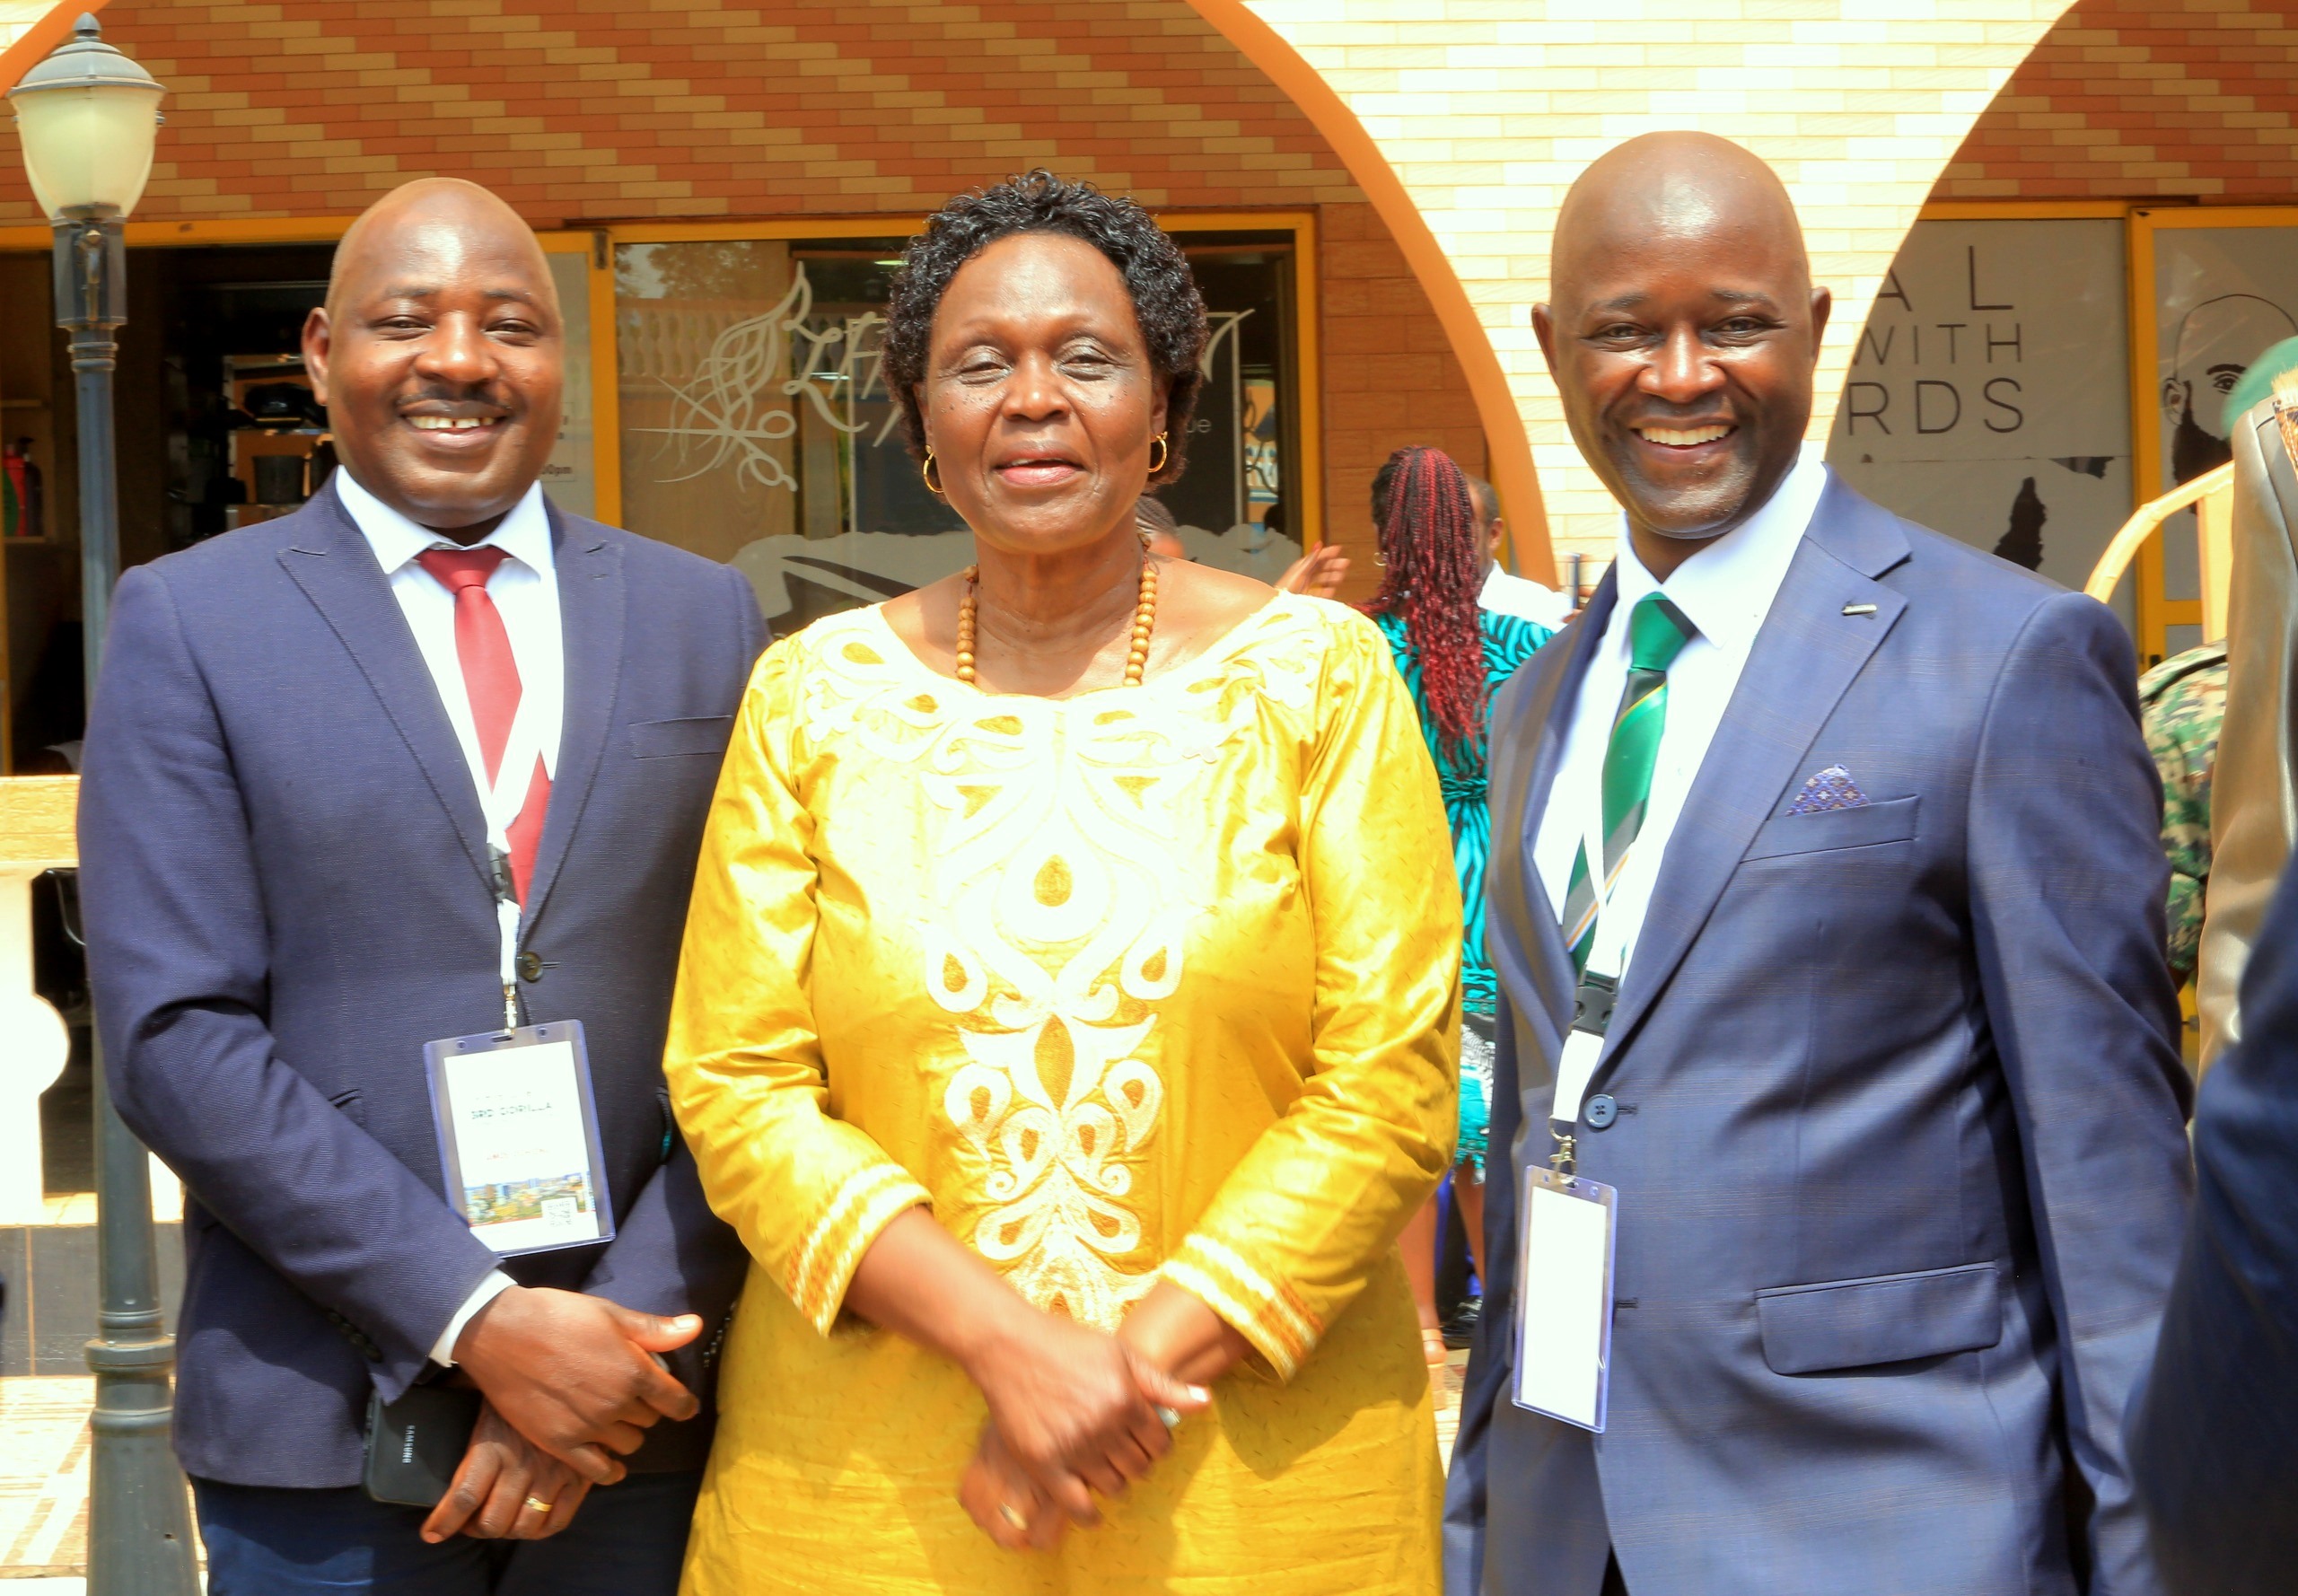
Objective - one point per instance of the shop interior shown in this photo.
(210, 369)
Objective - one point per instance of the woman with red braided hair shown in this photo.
(1453, 654)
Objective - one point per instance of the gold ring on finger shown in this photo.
(536, 1504)
(1012, 1515)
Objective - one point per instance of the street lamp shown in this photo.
(88, 118)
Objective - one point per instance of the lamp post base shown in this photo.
(139, 1509)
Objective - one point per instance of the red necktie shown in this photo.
(491, 678)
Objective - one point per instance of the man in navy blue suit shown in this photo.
(2211, 1438)
(1827, 908)
(356, 780)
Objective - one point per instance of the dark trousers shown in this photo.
(627, 1540)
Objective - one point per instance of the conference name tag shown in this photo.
(518, 1136)
(1564, 1303)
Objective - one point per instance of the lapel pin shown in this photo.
(1859, 610)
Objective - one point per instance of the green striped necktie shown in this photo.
(1657, 632)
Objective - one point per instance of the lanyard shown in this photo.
(1584, 1043)
(500, 803)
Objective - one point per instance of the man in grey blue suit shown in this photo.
(1887, 1086)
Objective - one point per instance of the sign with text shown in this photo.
(1989, 391)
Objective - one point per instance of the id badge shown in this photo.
(518, 1136)
(1564, 1298)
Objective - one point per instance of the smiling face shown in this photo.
(439, 356)
(1683, 331)
(1040, 398)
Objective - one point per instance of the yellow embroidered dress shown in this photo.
(1157, 980)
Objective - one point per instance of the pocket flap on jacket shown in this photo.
(1890, 821)
(697, 734)
(1884, 1318)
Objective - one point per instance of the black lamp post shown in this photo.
(88, 118)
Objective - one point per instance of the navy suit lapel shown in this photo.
(1805, 658)
(336, 567)
(591, 609)
(1527, 944)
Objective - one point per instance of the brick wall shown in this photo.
(1391, 378)
(579, 111)
(576, 110)
(2130, 99)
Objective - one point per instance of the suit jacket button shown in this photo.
(1601, 1111)
(531, 966)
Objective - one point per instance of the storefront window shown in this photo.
(2222, 296)
(572, 477)
(756, 427)
(1989, 394)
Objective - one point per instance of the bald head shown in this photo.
(1668, 187)
(440, 356)
(442, 208)
(1681, 330)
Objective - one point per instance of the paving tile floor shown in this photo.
(44, 1476)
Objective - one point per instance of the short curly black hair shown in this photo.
(1157, 273)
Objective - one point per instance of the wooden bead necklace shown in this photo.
(1145, 622)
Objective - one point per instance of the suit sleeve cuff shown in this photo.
(442, 1351)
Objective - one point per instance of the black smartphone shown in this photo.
(416, 1444)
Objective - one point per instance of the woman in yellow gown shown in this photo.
(1068, 1012)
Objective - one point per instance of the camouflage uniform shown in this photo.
(2182, 702)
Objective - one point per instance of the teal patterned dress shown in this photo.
(1508, 643)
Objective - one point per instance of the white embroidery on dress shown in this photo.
(1056, 924)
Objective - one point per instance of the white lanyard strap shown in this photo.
(507, 924)
(501, 803)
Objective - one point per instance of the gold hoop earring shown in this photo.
(926, 471)
(1380, 559)
(1164, 460)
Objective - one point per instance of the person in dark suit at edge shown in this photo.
(2211, 1443)
(355, 779)
(1889, 1091)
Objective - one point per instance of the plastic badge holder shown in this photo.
(1563, 1301)
(519, 1137)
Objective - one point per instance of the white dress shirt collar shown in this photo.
(1727, 588)
(523, 534)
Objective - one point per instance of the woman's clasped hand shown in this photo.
(1072, 1414)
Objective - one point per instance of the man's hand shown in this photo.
(576, 1375)
(494, 1493)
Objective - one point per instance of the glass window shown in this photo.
(1989, 395)
(756, 427)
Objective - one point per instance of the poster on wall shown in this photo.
(1988, 395)
(2223, 295)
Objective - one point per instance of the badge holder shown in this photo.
(518, 1126)
(1564, 1350)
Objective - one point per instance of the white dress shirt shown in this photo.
(1520, 596)
(525, 591)
(1726, 590)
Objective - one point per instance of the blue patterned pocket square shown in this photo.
(1831, 788)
